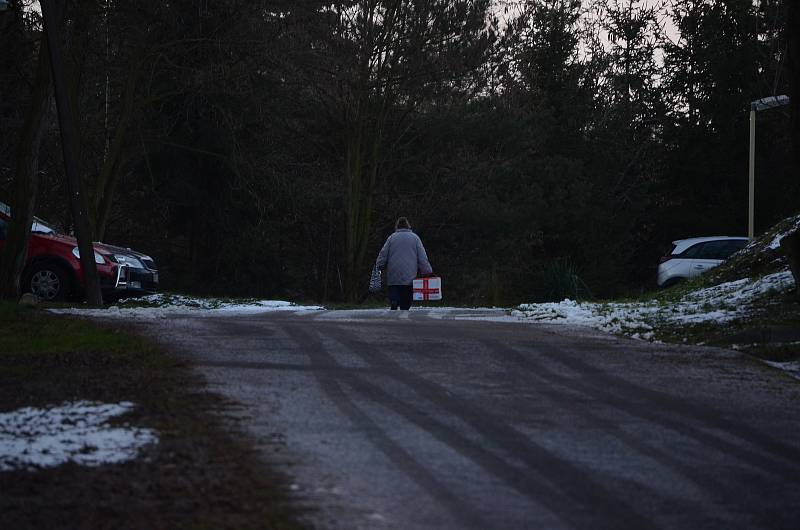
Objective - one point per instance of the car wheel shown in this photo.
(49, 282)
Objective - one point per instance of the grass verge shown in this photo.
(770, 331)
(200, 474)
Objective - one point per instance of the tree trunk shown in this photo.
(26, 180)
(790, 246)
(107, 179)
(360, 173)
(94, 296)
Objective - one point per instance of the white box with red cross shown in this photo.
(428, 288)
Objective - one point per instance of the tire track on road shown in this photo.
(518, 354)
(570, 481)
(464, 513)
(609, 388)
(714, 489)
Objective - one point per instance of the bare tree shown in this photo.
(26, 177)
(371, 66)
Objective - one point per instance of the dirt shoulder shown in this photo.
(200, 474)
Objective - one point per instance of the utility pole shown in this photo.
(93, 295)
(759, 104)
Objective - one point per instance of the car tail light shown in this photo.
(665, 259)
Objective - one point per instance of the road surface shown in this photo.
(437, 420)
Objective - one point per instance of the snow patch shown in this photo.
(743, 291)
(776, 241)
(163, 305)
(631, 318)
(791, 367)
(720, 303)
(71, 432)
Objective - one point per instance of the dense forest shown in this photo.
(266, 148)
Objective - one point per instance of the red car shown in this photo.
(53, 268)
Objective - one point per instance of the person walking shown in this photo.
(404, 258)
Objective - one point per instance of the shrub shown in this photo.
(561, 281)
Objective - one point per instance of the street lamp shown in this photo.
(759, 104)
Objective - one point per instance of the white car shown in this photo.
(692, 257)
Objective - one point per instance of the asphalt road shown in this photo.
(423, 420)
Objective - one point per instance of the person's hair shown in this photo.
(402, 222)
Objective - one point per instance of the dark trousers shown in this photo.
(400, 295)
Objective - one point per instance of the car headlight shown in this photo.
(130, 261)
(97, 257)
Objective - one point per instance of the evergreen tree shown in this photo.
(728, 53)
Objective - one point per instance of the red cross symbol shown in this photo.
(426, 291)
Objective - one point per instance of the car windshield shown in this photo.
(39, 226)
(42, 227)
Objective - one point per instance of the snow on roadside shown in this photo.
(162, 305)
(71, 432)
(720, 303)
(630, 318)
(791, 367)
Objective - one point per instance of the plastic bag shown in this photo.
(375, 280)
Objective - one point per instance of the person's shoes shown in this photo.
(394, 308)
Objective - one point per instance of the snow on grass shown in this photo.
(720, 303)
(793, 226)
(790, 367)
(71, 432)
(743, 291)
(776, 242)
(631, 318)
(162, 305)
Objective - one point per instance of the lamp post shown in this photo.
(755, 106)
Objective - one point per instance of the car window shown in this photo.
(715, 250)
(41, 226)
(737, 244)
(721, 250)
(38, 225)
(693, 251)
(731, 248)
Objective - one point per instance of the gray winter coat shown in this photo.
(404, 257)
